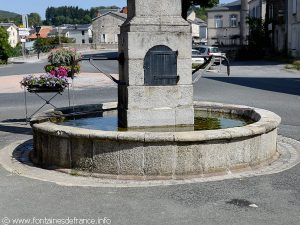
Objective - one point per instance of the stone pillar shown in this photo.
(151, 24)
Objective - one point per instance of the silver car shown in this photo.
(210, 50)
(195, 57)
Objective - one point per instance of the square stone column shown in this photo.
(156, 43)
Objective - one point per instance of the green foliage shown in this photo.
(294, 66)
(46, 44)
(10, 17)
(256, 33)
(256, 41)
(63, 57)
(5, 48)
(201, 13)
(16, 20)
(203, 3)
(186, 4)
(71, 15)
(34, 19)
(16, 51)
(6, 14)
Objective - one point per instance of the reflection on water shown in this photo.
(108, 121)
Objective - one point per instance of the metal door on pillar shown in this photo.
(160, 66)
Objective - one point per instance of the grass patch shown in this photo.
(75, 173)
(294, 66)
(195, 66)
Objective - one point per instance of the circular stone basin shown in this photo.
(152, 154)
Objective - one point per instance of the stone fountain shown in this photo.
(155, 90)
(156, 43)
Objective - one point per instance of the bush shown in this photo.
(296, 63)
(5, 48)
(63, 57)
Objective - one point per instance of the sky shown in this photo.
(39, 6)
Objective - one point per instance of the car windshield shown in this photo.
(202, 50)
(215, 50)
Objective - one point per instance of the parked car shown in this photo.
(210, 50)
(195, 57)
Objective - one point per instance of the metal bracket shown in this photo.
(208, 62)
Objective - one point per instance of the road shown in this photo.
(260, 84)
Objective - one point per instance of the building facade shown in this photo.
(106, 27)
(81, 34)
(276, 18)
(257, 9)
(12, 30)
(223, 23)
(294, 28)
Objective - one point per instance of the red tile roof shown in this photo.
(45, 30)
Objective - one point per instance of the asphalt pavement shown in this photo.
(277, 197)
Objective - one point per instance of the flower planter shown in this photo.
(44, 89)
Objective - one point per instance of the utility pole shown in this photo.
(59, 40)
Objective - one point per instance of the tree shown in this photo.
(256, 35)
(201, 13)
(5, 48)
(46, 44)
(34, 19)
(186, 4)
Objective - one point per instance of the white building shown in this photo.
(198, 27)
(12, 30)
(81, 34)
(223, 24)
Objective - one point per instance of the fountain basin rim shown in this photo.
(266, 121)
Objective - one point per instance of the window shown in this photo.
(82, 32)
(103, 38)
(83, 41)
(218, 21)
(233, 21)
(271, 12)
(294, 7)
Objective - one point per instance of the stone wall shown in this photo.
(106, 29)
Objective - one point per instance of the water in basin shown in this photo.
(204, 120)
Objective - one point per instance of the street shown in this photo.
(259, 84)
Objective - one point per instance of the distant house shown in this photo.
(199, 28)
(106, 27)
(294, 27)
(12, 30)
(81, 34)
(223, 24)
